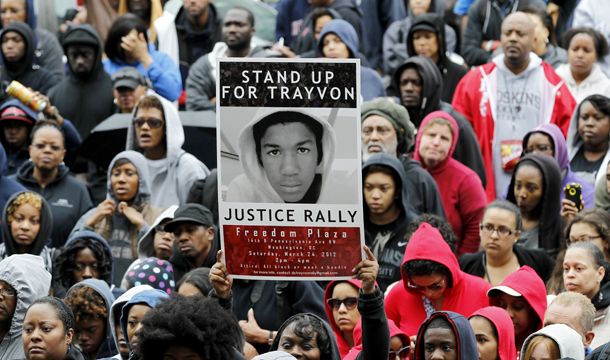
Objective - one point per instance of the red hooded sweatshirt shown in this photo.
(343, 346)
(460, 188)
(526, 282)
(465, 295)
(394, 331)
(504, 328)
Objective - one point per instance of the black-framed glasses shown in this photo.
(539, 149)
(350, 303)
(502, 231)
(153, 123)
(160, 229)
(43, 146)
(433, 287)
(8, 291)
(401, 354)
(583, 238)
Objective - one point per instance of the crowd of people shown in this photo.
(485, 136)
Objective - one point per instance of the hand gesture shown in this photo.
(133, 215)
(569, 209)
(253, 332)
(104, 209)
(219, 277)
(366, 271)
(138, 47)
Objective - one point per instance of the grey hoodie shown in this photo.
(108, 347)
(25, 273)
(569, 341)
(171, 185)
(117, 308)
(146, 244)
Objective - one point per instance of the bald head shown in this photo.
(518, 37)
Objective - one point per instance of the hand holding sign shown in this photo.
(366, 271)
(219, 277)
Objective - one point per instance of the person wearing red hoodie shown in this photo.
(495, 334)
(523, 295)
(344, 318)
(460, 187)
(431, 281)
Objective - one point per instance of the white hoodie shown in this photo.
(569, 341)
(596, 83)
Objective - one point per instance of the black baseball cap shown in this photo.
(129, 77)
(193, 213)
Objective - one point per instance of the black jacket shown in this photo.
(30, 75)
(485, 23)
(537, 259)
(451, 72)
(467, 150)
(180, 265)
(424, 197)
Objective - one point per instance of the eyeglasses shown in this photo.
(44, 146)
(160, 229)
(538, 149)
(350, 303)
(8, 291)
(502, 231)
(153, 123)
(583, 238)
(401, 354)
(433, 287)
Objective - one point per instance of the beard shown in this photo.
(388, 147)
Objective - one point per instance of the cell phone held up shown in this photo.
(573, 192)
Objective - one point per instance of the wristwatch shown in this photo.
(270, 340)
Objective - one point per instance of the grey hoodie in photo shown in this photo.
(171, 185)
(27, 275)
(569, 341)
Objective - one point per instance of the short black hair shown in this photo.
(388, 170)
(599, 102)
(420, 267)
(439, 322)
(319, 13)
(437, 222)
(62, 310)
(121, 27)
(287, 117)
(47, 123)
(546, 19)
(601, 45)
(308, 327)
(250, 14)
(197, 323)
(200, 278)
(65, 260)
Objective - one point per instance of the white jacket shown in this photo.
(596, 83)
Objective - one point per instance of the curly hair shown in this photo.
(87, 304)
(307, 327)
(197, 323)
(25, 198)
(62, 311)
(65, 260)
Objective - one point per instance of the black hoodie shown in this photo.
(550, 228)
(30, 75)
(464, 336)
(451, 72)
(467, 150)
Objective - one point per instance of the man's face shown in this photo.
(12, 10)
(7, 303)
(127, 97)
(90, 333)
(237, 29)
(16, 133)
(148, 136)
(334, 47)
(557, 314)
(13, 46)
(140, 8)
(290, 157)
(378, 135)
(411, 86)
(194, 240)
(517, 38)
(195, 8)
(440, 344)
(81, 58)
(380, 193)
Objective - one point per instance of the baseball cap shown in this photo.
(496, 290)
(128, 77)
(194, 213)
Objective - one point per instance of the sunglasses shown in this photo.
(350, 303)
(433, 287)
(153, 123)
(401, 354)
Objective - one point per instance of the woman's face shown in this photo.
(86, 266)
(322, 20)
(580, 231)
(580, 273)
(297, 346)
(125, 180)
(494, 244)
(188, 289)
(525, 320)
(90, 334)
(134, 323)
(25, 225)
(540, 352)
(47, 149)
(43, 334)
(334, 48)
(593, 125)
(163, 242)
(486, 341)
(425, 43)
(345, 318)
(528, 188)
(181, 353)
(13, 10)
(539, 143)
(419, 7)
(582, 54)
(435, 144)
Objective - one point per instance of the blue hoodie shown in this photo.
(108, 347)
(151, 298)
(371, 83)
(8, 187)
(464, 335)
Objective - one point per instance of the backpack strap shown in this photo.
(605, 354)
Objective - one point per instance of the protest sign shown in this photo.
(289, 168)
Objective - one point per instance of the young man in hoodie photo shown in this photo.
(446, 335)
(237, 32)
(505, 99)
